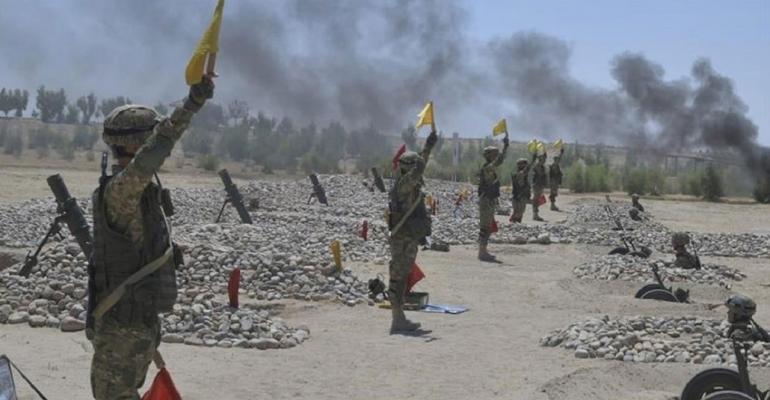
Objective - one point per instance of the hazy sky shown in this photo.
(377, 61)
(735, 35)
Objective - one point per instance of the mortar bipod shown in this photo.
(726, 383)
(658, 291)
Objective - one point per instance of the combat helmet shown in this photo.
(408, 160)
(130, 124)
(740, 308)
(521, 161)
(679, 239)
(634, 196)
(490, 149)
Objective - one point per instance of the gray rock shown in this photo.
(71, 324)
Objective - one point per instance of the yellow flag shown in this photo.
(207, 49)
(532, 146)
(336, 254)
(425, 117)
(540, 147)
(558, 144)
(500, 128)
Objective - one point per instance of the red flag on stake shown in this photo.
(493, 228)
(233, 285)
(541, 200)
(364, 230)
(415, 275)
(162, 388)
(401, 150)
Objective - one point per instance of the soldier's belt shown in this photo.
(115, 296)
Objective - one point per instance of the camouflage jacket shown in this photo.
(406, 190)
(539, 175)
(124, 190)
(520, 184)
(489, 182)
(554, 172)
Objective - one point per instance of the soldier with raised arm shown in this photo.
(520, 188)
(409, 223)
(539, 183)
(489, 192)
(132, 274)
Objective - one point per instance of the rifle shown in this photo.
(70, 213)
(318, 191)
(378, 182)
(233, 197)
(627, 241)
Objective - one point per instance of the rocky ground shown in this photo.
(496, 350)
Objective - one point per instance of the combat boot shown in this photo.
(400, 323)
(553, 207)
(484, 254)
(536, 217)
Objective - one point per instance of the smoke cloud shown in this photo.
(369, 62)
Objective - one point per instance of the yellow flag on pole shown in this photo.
(532, 146)
(540, 147)
(425, 117)
(336, 254)
(500, 128)
(558, 144)
(207, 49)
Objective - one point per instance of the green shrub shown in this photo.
(762, 191)
(712, 184)
(575, 178)
(13, 145)
(208, 162)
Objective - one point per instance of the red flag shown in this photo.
(493, 227)
(415, 275)
(162, 388)
(233, 285)
(364, 229)
(401, 150)
(541, 200)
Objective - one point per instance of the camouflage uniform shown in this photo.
(125, 339)
(539, 183)
(406, 190)
(489, 192)
(554, 180)
(520, 189)
(683, 259)
(635, 202)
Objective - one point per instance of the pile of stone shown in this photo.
(25, 223)
(635, 269)
(199, 319)
(654, 339)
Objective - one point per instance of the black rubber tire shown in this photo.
(659, 294)
(619, 250)
(711, 381)
(729, 395)
(647, 288)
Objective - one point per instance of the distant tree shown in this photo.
(35, 114)
(109, 104)
(6, 102)
(22, 99)
(87, 106)
(13, 145)
(210, 117)
(51, 104)
(712, 184)
(84, 139)
(235, 140)
(161, 108)
(238, 111)
(73, 114)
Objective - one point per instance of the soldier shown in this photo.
(554, 179)
(635, 202)
(520, 188)
(489, 192)
(539, 183)
(683, 259)
(409, 223)
(132, 246)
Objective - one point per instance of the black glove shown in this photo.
(199, 93)
(432, 138)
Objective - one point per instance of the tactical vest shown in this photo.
(418, 225)
(539, 178)
(555, 174)
(115, 257)
(520, 185)
(490, 190)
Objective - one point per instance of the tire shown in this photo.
(711, 381)
(619, 250)
(729, 395)
(659, 294)
(647, 288)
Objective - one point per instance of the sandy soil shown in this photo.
(489, 352)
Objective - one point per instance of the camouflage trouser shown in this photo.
(122, 355)
(403, 252)
(536, 193)
(487, 209)
(519, 206)
(554, 192)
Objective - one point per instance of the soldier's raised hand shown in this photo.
(199, 93)
(505, 140)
